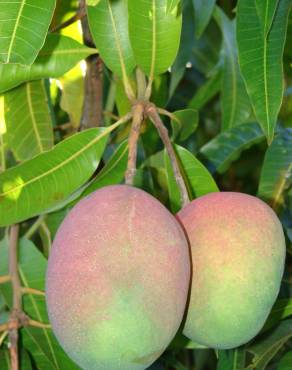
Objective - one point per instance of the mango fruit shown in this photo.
(238, 252)
(117, 280)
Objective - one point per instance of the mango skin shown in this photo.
(238, 254)
(117, 280)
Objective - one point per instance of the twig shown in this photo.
(16, 286)
(163, 133)
(168, 114)
(34, 227)
(4, 279)
(81, 13)
(137, 110)
(37, 324)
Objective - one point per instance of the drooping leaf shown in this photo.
(281, 309)
(206, 91)
(260, 57)
(286, 361)
(113, 172)
(185, 124)
(227, 147)
(108, 22)
(41, 342)
(24, 25)
(198, 180)
(203, 14)
(49, 178)
(59, 54)
(269, 344)
(159, 32)
(235, 103)
(276, 173)
(28, 120)
(233, 359)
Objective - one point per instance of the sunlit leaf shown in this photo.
(24, 25)
(228, 146)
(28, 120)
(92, 2)
(159, 31)
(260, 57)
(276, 173)
(198, 180)
(49, 178)
(59, 54)
(171, 5)
(203, 14)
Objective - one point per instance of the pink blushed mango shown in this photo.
(117, 280)
(238, 252)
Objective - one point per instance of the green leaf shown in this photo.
(108, 23)
(49, 178)
(186, 123)
(92, 2)
(113, 172)
(233, 359)
(171, 5)
(286, 361)
(206, 91)
(260, 57)
(24, 26)
(59, 54)
(158, 31)
(281, 309)
(235, 103)
(266, 10)
(28, 120)
(24, 360)
(228, 146)
(203, 14)
(276, 173)
(267, 346)
(198, 180)
(41, 342)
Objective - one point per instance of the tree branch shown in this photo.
(137, 110)
(4, 279)
(152, 113)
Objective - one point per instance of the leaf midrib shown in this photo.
(14, 31)
(33, 120)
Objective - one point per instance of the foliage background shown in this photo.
(225, 88)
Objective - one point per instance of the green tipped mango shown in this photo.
(238, 252)
(117, 280)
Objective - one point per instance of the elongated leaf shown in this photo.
(281, 309)
(28, 120)
(24, 25)
(113, 172)
(206, 92)
(41, 342)
(203, 14)
(276, 173)
(233, 359)
(235, 103)
(59, 54)
(260, 57)
(108, 22)
(159, 32)
(198, 180)
(266, 11)
(185, 124)
(44, 181)
(171, 5)
(286, 361)
(268, 346)
(227, 147)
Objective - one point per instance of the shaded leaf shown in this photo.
(24, 25)
(24, 360)
(28, 120)
(233, 359)
(186, 123)
(235, 104)
(108, 23)
(203, 14)
(286, 361)
(269, 344)
(59, 54)
(49, 178)
(159, 32)
(281, 309)
(260, 57)
(197, 178)
(276, 173)
(227, 146)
